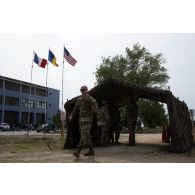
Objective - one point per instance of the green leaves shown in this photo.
(56, 119)
(138, 66)
(152, 113)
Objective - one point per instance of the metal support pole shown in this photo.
(62, 109)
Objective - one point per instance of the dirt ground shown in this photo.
(47, 149)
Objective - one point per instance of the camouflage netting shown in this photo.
(121, 92)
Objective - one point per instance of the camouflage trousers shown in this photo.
(131, 127)
(114, 130)
(85, 140)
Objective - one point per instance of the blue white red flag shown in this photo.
(41, 62)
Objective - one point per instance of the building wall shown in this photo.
(15, 108)
(52, 106)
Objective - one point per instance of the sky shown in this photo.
(16, 51)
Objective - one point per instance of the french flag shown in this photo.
(41, 62)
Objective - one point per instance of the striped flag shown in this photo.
(41, 62)
(69, 58)
(52, 58)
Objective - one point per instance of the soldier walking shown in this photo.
(87, 107)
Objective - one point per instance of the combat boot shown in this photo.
(77, 153)
(117, 142)
(90, 152)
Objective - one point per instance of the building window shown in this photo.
(41, 92)
(1, 83)
(49, 105)
(50, 93)
(41, 105)
(11, 101)
(1, 99)
(27, 103)
(26, 89)
(12, 86)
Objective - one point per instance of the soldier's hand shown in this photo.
(70, 118)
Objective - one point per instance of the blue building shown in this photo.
(18, 105)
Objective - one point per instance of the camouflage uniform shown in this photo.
(130, 120)
(87, 107)
(103, 125)
(115, 118)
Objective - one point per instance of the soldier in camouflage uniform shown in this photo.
(114, 128)
(130, 120)
(103, 124)
(87, 107)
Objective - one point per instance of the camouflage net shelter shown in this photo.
(121, 92)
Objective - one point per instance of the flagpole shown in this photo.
(46, 95)
(30, 96)
(63, 81)
(62, 108)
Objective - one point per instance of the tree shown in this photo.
(152, 113)
(56, 119)
(139, 67)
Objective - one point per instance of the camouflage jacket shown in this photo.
(87, 107)
(131, 112)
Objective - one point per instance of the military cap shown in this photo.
(84, 88)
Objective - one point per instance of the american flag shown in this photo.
(69, 58)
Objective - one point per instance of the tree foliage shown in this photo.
(139, 67)
(56, 119)
(152, 113)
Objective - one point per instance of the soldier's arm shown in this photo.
(95, 108)
(76, 107)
